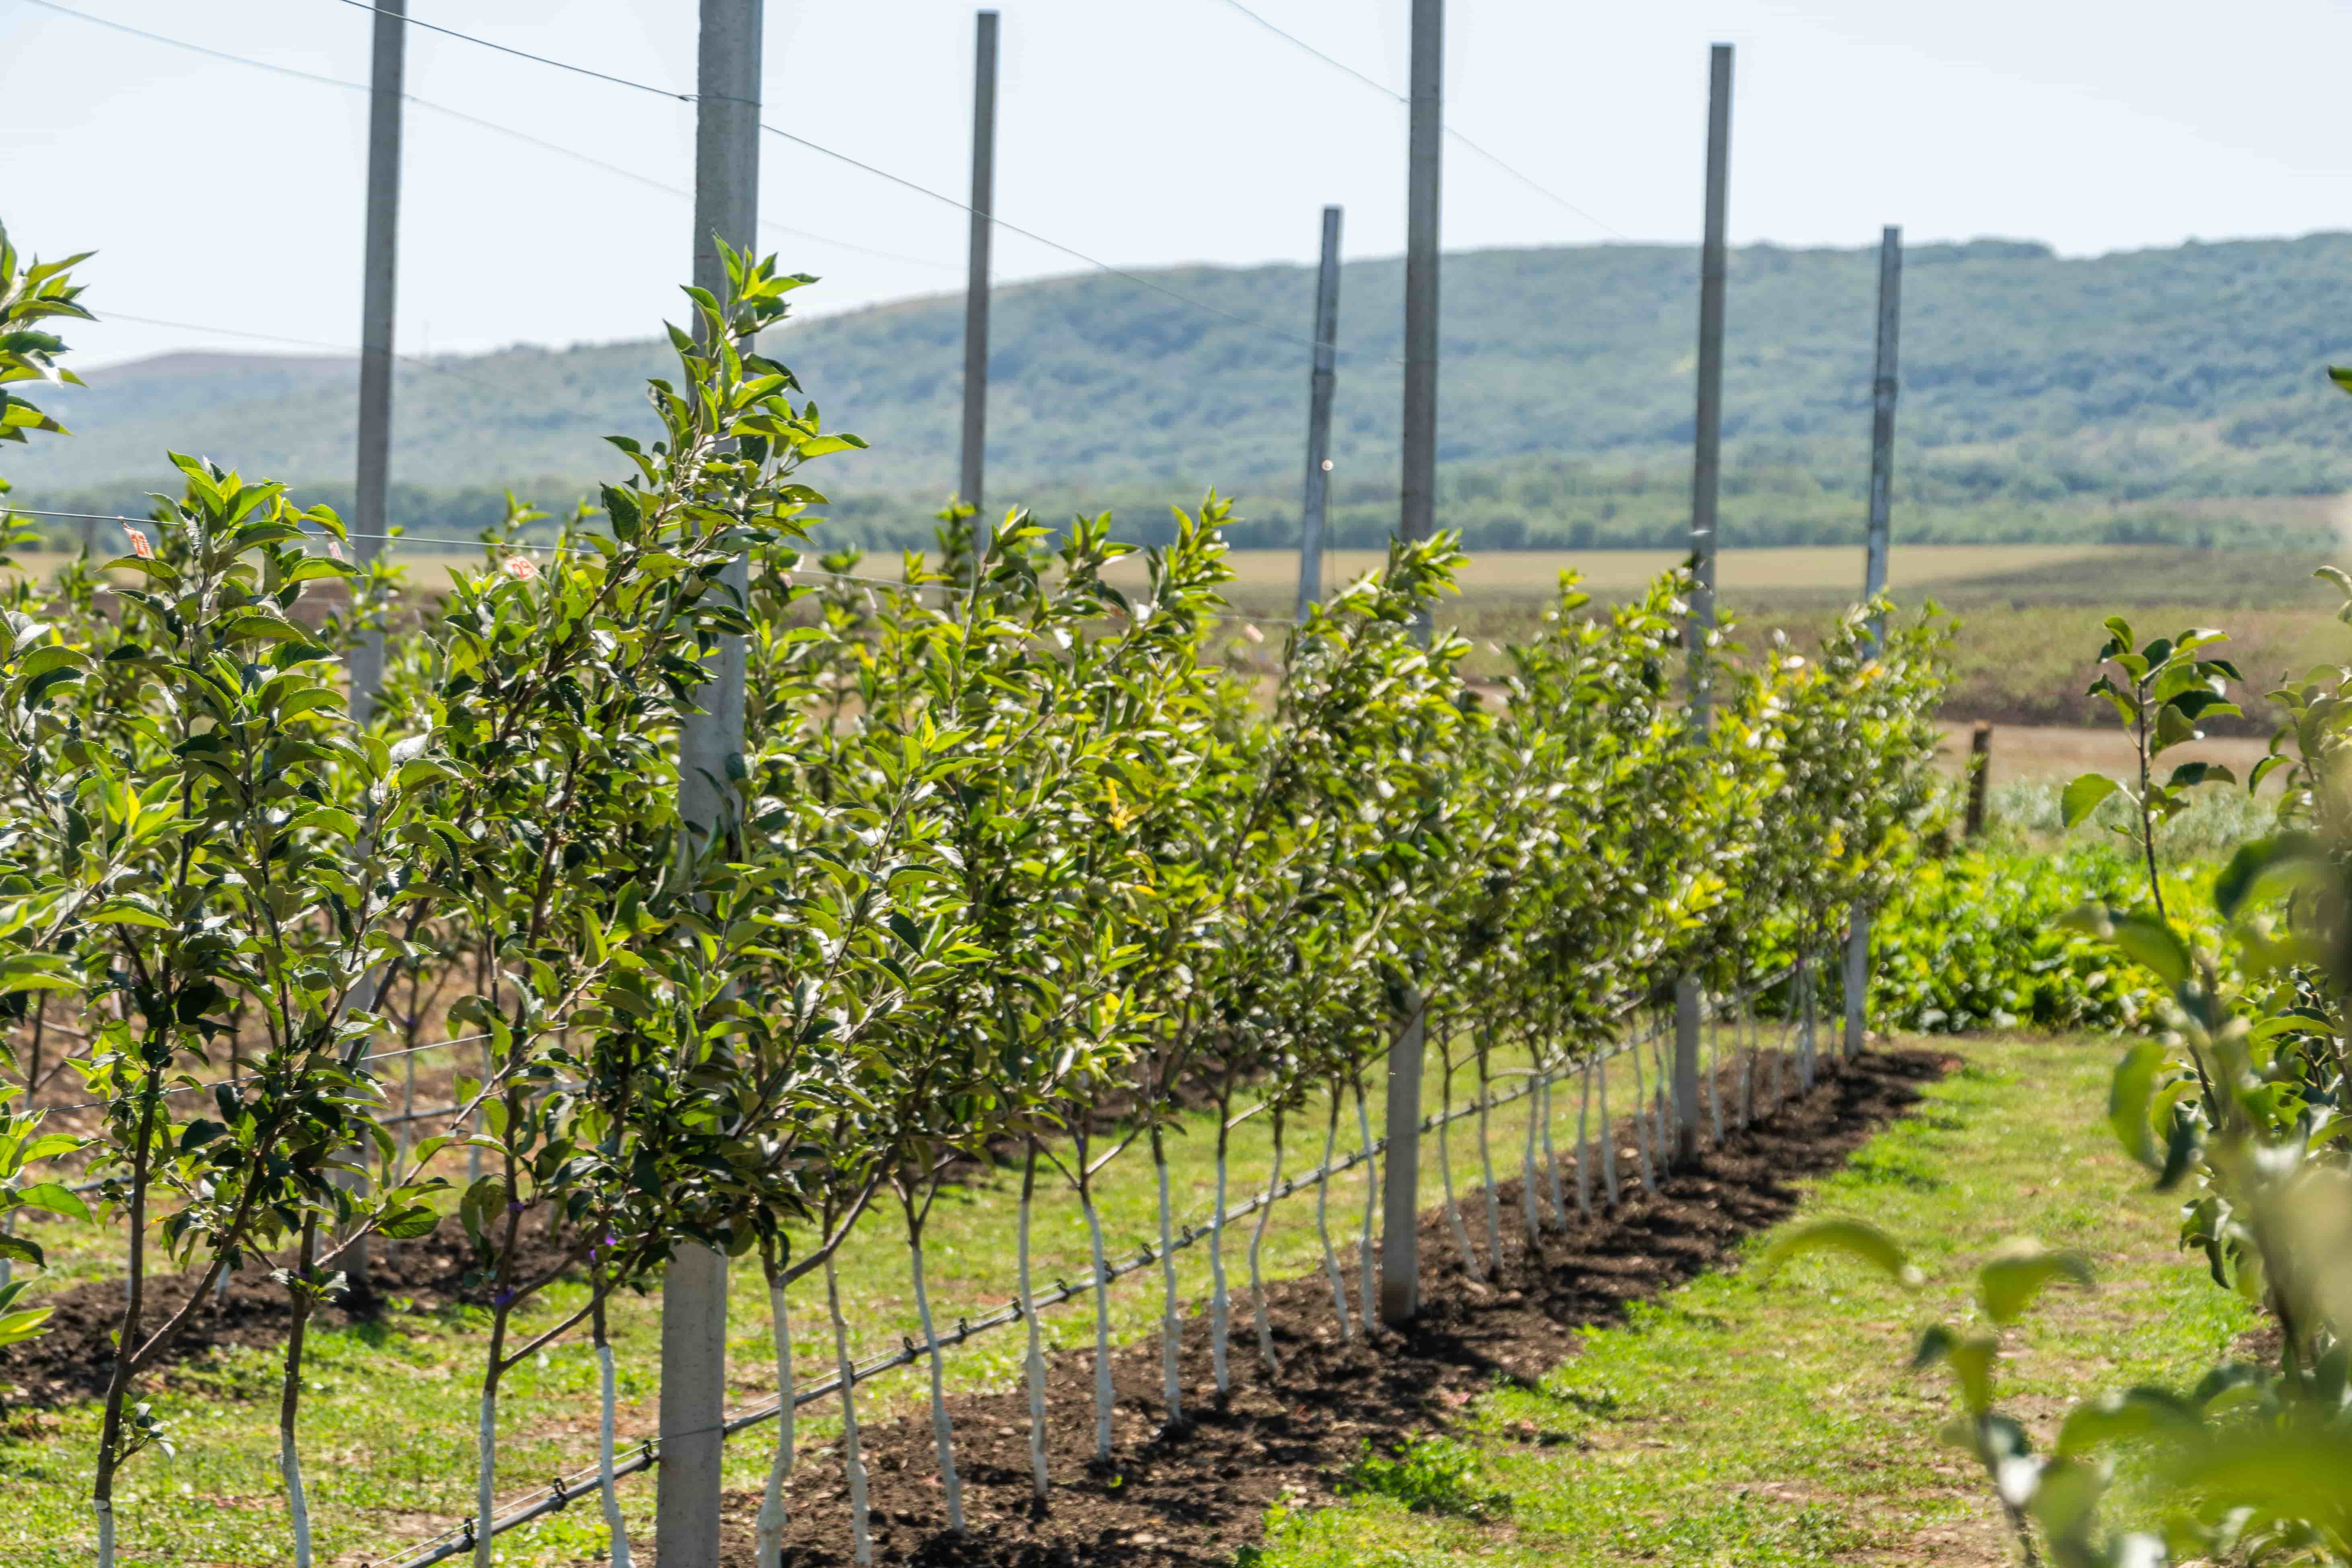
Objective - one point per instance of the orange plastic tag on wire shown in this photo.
(139, 546)
(521, 568)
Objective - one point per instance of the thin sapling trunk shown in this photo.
(1530, 1215)
(853, 1462)
(1641, 1116)
(607, 1398)
(769, 1532)
(1104, 1397)
(1036, 1363)
(1584, 1147)
(1258, 1242)
(1470, 1259)
(1219, 1307)
(1485, 1052)
(1171, 1321)
(290, 1399)
(1322, 1220)
(1608, 1140)
(942, 1429)
(1551, 1158)
(1367, 1273)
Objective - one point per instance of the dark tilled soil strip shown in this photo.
(1196, 1495)
(74, 1359)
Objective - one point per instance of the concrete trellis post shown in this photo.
(1706, 472)
(693, 1292)
(1883, 386)
(1320, 383)
(1401, 1200)
(379, 273)
(973, 471)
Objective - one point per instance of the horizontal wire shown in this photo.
(523, 54)
(1387, 91)
(901, 180)
(541, 1501)
(490, 125)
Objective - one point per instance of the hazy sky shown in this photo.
(1139, 132)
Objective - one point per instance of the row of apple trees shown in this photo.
(1011, 861)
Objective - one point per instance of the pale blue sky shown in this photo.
(1141, 131)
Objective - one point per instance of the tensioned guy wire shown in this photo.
(1384, 90)
(475, 120)
(878, 172)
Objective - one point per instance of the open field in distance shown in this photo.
(2030, 616)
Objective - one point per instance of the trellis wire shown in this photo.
(558, 1493)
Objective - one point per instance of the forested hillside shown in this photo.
(2140, 395)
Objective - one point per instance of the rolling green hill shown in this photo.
(2174, 394)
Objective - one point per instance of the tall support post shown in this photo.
(974, 469)
(1320, 382)
(1706, 465)
(1707, 474)
(379, 283)
(1417, 518)
(710, 748)
(1883, 386)
(371, 511)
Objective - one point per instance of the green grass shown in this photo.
(388, 1419)
(1753, 1422)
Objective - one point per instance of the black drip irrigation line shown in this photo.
(561, 1492)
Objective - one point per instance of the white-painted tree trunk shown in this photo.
(105, 1511)
(1811, 1044)
(486, 1472)
(608, 1398)
(1551, 1158)
(1171, 1319)
(1608, 1141)
(769, 1531)
(1584, 1148)
(942, 1428)
(1641, 1115)
(1368, 1263)
(1531, 1214)
(1470, 1259)
(297, 1500)
(1486, 1152)
(1715, 1075)
(1219, 1308)
(1036, 1361)
(861, 1525)
(1258, 1242)
(1322, 1219)
(1103, 1394)
(1747, 1070)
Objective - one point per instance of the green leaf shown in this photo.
(2083, 795)
(1856, 1237)
(2188, 773)
(2129, 1095)
(2265, 868)
(2016, 1272)
(128, 912)
(2155, 944)
(15, 1327)
(55, 1198)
